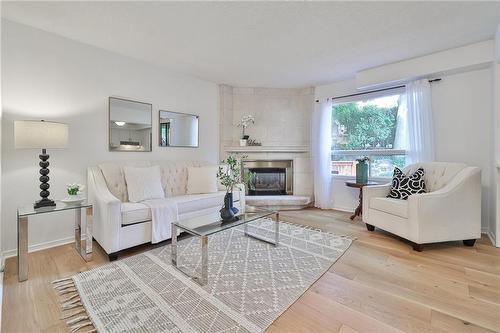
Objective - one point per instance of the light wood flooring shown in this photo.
(379, 285)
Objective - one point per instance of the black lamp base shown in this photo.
(44, 180)
(44, 203)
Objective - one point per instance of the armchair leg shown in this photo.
(113, 256)
(418, 247)
(370, 227)
(469, 242)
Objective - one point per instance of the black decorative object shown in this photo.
(405, 185)
(44, 179)
(227, 213)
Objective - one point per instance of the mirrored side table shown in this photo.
(83, 242)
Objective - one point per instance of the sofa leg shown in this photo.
(113, 256)
(370, 227)
(469, 242)
(418, 247)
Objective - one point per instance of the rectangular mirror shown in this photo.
(130, 125)
(178, 129)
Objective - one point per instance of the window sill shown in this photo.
(382, 180)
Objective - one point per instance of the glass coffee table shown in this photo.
(206, 225)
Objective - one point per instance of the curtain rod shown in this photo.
(374, 91)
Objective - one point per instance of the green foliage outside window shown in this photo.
(364, 126)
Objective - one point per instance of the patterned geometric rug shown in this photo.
(250, 283)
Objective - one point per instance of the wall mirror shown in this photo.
(130, 125)
(178, 129)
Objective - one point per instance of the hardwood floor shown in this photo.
(379, 285)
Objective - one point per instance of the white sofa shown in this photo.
(120, 224)
(450, 211)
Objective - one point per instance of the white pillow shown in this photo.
(202, 179)
(143, 183)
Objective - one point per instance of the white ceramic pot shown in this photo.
(243, 142)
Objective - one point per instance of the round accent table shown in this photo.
(359, 209)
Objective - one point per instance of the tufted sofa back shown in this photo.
(437, 174)
(173, 176)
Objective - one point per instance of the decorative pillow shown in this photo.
(403, 186)
(202, 179)
(143, 183)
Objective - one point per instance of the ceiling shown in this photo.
(265, 44)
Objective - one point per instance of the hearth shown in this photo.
(272, 177)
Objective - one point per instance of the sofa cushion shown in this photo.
(405, 185)
(202, 179)
(193, 202)
(174, 175)
(115, 179)
(143, 183)
(134, 212)
(390, 206)
(138, 212)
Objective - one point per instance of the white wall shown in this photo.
(50, 77)
(462, 105)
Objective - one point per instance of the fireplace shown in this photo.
(271, 177)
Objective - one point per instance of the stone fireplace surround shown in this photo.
(282, 125)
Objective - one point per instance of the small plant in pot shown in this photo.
(74, 191)
(231, 176)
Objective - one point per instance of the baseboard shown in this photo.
(345, 209)
(490, 235)
(38, 247)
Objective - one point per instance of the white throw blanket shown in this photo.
(163, 213)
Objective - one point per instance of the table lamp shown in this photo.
(35, 134)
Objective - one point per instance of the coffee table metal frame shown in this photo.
(220, 226)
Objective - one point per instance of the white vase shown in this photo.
(243, 142)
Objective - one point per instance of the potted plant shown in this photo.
(362, 170)
(230, 176)
(74, 191)
(244, 123)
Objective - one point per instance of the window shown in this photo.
(372, 125)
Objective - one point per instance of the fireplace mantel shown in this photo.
(267, 149)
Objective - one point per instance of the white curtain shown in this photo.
(420, 129)
(321, 149)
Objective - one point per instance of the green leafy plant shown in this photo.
(363, 159)
(74, 189)
(230, 173)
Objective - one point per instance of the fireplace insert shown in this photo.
(270, 177)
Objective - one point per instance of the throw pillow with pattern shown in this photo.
(403, 186)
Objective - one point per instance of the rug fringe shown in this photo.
(75, 328)
(67, 291)
(77, 318)
(62, 280)
(64, 300)
(69, 315)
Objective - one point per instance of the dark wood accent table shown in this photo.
(359, 209)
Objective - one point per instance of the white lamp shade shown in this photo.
(40, 134)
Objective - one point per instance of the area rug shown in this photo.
(250, 283)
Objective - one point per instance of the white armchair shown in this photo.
(450, 211)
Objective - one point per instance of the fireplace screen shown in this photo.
(267, 181)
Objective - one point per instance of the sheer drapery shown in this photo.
(420, 128)
(321, 149)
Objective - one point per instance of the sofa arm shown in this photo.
(373, 191)
(107, 211)
(451, 213)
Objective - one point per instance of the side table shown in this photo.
(83, 243)
(359, 209)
